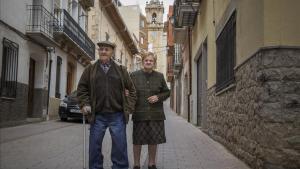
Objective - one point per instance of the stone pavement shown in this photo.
(188, 147)
(58, 145)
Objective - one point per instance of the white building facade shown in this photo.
(44, 50)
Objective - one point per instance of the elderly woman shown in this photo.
(148, 118)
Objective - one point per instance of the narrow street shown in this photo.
(59, 145)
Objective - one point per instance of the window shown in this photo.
(153, 18)
(226, 47)
(121, 56)
(81, 17)
(117, 3)
(142, 40)
(142, 23)
(56, 4)
(107, 36)
(9, 73)
(69, 7)
(58, 72)
(153, 35)
(93, 36)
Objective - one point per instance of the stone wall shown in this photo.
(258, 118)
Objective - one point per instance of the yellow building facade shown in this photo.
(106, 23)
(245, 58)
(262, 23)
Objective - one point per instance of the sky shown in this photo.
(142, 4)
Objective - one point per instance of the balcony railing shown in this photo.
(67, 25)
(40, 22)
(177, 55)
(185, 12)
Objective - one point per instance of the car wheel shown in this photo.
(63, 118)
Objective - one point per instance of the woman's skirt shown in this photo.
(148, 132)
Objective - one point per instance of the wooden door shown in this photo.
(31, 87)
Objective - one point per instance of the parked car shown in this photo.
(69, 107)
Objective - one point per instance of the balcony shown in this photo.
(170, 61)
(185, 12)
(40, 25)
(177, 59)
(180, 35)
(170, 73)
(177, 66)
(69, 33)
(86, 3)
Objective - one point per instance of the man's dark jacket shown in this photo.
(87, 87)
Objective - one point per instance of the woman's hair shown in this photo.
(146, 54)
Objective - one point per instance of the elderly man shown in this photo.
(101, 93)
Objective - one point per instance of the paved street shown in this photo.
(59, 145)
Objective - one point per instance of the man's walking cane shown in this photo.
(84, 135)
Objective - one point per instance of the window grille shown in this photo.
(9, 73)
(226, 47)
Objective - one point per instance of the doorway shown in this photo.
(31, 82)
(199, 93)
(202, 86)
(178, 95)
(70, 78)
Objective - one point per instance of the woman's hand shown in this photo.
(153, 99)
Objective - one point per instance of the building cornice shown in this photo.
(116, 18)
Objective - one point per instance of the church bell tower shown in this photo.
(156, 38)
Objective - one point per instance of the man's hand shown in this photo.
(126, 92)
(86, 110)
(153, 99)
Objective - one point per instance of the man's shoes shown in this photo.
(136, 167)
(152, 167)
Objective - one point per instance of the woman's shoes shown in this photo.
(149, 167)
(152, 167)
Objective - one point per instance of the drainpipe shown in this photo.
(49, 56)
(189, 73)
